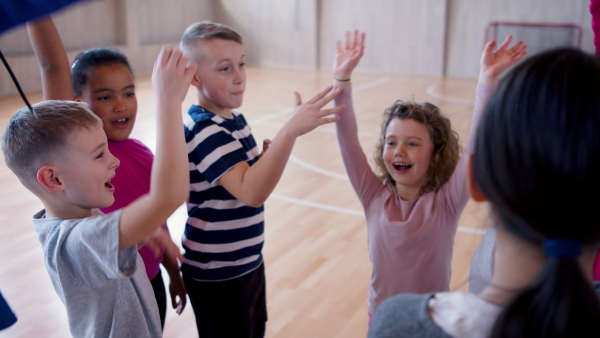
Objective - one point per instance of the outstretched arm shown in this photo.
(347, 56)
(52, 59)
(493, 64)
(253, 184)
(169, 182)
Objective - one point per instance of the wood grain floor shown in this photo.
(316, 257)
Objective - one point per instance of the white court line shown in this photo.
(274, 115)
(352, 211)
(317, 169)
(431, 90)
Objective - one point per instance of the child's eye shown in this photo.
(390, 143)
(412, 144)
(242, 64)
(104, 98)
(100, 155)
(224, 69)
(129, 94)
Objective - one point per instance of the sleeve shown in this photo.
(362, 178)
(595, 11)
(7, 317)
(214, 150)
(91, 249)
(455, 190)
(404, 315)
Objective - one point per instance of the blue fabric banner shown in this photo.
(17, 12)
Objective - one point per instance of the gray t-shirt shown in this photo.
(104, 292)
(482, 262)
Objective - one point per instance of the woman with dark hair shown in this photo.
(536, 162)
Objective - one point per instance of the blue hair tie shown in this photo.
(563, 248)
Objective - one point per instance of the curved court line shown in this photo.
(317, 169)
(317, 205)
(431, 91)
(352, 211)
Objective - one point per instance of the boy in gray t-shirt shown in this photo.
(59, 151)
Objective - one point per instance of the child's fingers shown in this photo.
(320, 95)
(326, 120)
(489, 46)
(506, 42)
(330, 111)
(338, 46)
(329, 96)
(297, 99)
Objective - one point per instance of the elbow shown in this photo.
(254, 201)
(255, 204)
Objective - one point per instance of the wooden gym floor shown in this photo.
(316, 257)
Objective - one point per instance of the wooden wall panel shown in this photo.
(164, 21)
(467, 20)
(403, 36)
(277, 33)
(425, 37)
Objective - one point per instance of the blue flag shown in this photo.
(17, 12)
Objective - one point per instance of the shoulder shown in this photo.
(127, 146)
(404, 315)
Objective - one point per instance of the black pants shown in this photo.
(231, 308)
(158, 285)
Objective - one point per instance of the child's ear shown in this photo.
(196, 81)
(476, 194)
(48, 178)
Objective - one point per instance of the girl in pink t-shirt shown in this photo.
(103, 78)
(413, 204)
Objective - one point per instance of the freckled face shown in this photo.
(110, 94)
(407, 155)
(221, 77)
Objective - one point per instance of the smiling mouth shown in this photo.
(109, 185)
(121, 121)
(401, 166)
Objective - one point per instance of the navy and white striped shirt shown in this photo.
(223, 237)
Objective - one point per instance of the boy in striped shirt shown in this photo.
(223, 269)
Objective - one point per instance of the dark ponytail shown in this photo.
(537, 160)
(559, 303)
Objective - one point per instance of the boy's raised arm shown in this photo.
(52, 59)
(169, 184)
(253, 185)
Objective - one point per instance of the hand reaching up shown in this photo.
(348, 54)
(172, 75)
(307, 116)
(494, 63)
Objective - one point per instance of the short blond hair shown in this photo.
(30, 140)
(205, 30)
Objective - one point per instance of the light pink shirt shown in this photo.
(132, 181)
(410, 242)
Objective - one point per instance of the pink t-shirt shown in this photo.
(132, 181)
(410, 242)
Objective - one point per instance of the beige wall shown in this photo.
(427, 37)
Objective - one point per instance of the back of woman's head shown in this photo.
(88, 60)
(537, 160)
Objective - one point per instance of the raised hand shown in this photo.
(348, 54)
(494, 63)
(311, 114)
(172, 74)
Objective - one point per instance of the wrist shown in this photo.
(341, 79)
